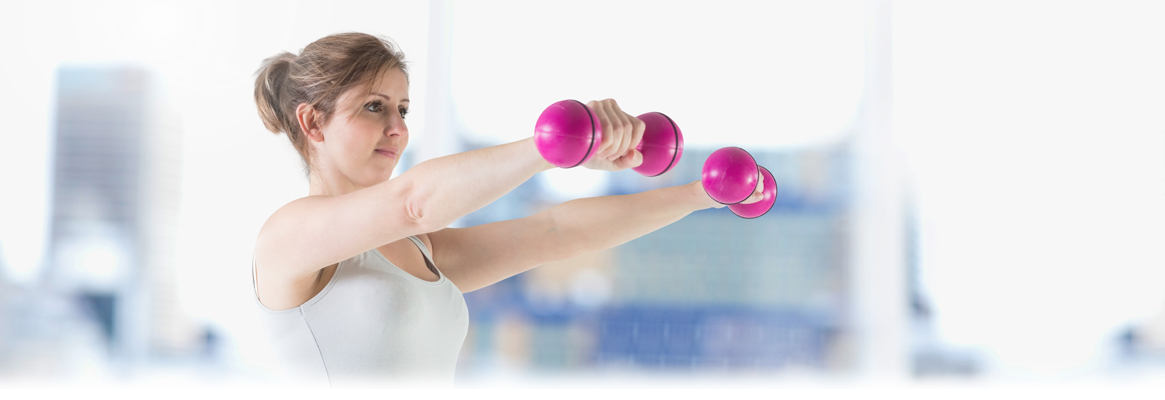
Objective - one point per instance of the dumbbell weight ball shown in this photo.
(730, 176)
(769, 193)
(662, 144)
(568, 134)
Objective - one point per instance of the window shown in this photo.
(750, 74)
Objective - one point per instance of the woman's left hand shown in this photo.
(621, 135)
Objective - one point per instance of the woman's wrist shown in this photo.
(699, 198)
(543, 165)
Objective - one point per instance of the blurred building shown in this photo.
(930, 356)
(1143, 343)
(114, 206)
(709, 292)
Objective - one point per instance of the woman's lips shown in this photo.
(388, 153)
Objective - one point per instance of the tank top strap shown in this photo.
(424, 250)
(254, 277)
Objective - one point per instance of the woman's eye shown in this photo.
(374, 107)
(403, 112)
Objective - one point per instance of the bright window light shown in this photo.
(566, 184)
(99, 262)
(1038, 158)
(751, 74)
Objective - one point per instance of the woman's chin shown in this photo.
(382, 174)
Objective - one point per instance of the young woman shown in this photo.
(361, 279)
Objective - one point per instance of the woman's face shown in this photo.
(366, 136)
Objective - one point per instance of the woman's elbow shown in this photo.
(422, 213)
(414, 206)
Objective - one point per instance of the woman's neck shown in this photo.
(329, 186)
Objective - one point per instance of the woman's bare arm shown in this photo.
(482, 255)
(313, 232)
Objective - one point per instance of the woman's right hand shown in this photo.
(621, 135)
(757, 195)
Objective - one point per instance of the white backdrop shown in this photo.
(1035, 133)
(1034, 130)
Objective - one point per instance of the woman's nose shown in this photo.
(396, 128)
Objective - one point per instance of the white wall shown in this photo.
(1033, 130)
(1035, 133)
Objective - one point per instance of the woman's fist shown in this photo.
(757, 195)
(621, 135)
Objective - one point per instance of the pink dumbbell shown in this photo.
(568, 134)
(730, 176)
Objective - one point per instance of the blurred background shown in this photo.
(970, 192)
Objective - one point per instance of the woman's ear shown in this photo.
(309, 122)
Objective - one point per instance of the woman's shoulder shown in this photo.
(289, 210)
(285, 242)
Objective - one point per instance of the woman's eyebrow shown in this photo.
(405, 100)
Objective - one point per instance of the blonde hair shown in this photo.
(322, 71)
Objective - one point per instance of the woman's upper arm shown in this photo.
(314, 232)
(479, 256)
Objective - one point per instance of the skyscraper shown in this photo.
(114, 205)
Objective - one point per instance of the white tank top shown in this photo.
(372, 322)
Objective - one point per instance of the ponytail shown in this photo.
(270, 81)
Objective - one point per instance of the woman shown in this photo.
(348, 277)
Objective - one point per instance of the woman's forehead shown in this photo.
(392, 80)
(393, 86)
